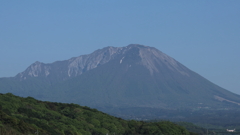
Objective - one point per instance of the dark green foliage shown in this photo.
(28, 116)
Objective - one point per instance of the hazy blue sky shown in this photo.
(203, 35)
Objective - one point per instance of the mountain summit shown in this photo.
(135, 76)
(149, 57)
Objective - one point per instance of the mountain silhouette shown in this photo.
(114, 78)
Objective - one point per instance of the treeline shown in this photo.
(20, 116)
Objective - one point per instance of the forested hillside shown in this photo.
(29, 116)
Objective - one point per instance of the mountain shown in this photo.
(21, 116)
(121, 80)
(63, 70)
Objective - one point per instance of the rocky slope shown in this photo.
(150, 57)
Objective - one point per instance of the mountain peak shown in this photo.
(37, 62)
(136, 45)
(155, 60)
(150, 57)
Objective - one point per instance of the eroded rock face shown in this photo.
(72, 67)
(150, 57)
(78, 65)
(37, 69)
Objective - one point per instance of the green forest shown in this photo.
(21, 116)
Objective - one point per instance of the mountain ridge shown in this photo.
(77, 65)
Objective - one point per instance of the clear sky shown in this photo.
(203, 35)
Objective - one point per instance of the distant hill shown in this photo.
(133, 81)
(21, 116)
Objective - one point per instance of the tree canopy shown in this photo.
(29, 116)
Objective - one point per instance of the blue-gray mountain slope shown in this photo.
(120, 77)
